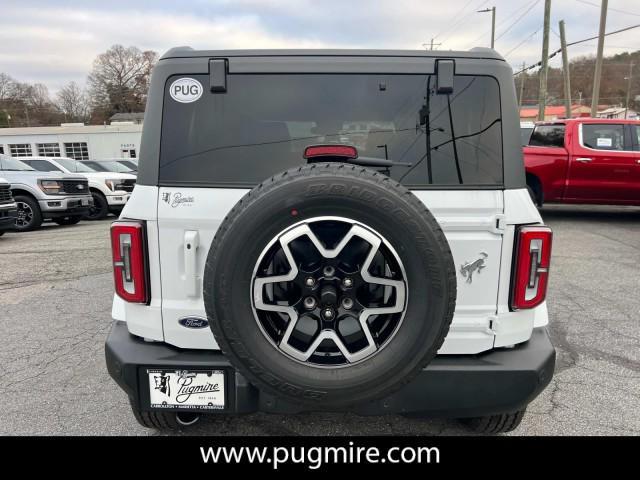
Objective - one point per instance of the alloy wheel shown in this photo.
(25, 215)
(329, 292)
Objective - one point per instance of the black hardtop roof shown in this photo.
(474, 53)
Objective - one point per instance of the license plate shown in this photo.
(188, 390)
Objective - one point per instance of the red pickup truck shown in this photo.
(584, 160)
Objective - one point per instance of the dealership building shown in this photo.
(75, 140)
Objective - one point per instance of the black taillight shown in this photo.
(532, 260)
(128, 248)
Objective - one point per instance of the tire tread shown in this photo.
(492, 424)
(362, 173)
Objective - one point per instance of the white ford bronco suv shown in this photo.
(331, 230)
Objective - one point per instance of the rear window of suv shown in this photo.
(547, 136)
(263, 122)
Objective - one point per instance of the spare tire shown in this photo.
(329, 285)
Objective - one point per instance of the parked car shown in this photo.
(8, 207)
(584, 160)
(258, 269)
(129, 163)
(63, 198)
(118, 166)
(525, 131)
(110, 191)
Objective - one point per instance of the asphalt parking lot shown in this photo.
(55, 301)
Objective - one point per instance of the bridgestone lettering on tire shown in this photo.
(329, 285)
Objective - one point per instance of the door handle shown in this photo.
(191, 243)
(584, 159)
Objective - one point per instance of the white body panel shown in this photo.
(144, 320)
(474, 222)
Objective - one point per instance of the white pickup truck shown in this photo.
(110, 190)
(61, 197)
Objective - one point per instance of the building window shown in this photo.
(1, 149)
(128, 153)
(20, 150)
(77, 150)
(48, 149)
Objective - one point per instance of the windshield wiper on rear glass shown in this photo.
(427, 123)
(453, 140)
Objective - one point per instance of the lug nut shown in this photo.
(347, 282)
(309, 303)
(327, 313)
(309, 281)
(347, 303)
(329, 271)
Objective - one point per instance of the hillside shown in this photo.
(613, 88)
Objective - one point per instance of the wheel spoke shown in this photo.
(328, 330)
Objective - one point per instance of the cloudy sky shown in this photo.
(54, 42)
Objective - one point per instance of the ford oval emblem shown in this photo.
(193, 322)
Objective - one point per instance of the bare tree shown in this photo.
(7, 85)
(119, 80)
(37, 97)
(73, 102)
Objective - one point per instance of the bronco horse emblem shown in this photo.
(468, 268)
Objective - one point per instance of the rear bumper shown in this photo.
(499, 381)
(118, 201)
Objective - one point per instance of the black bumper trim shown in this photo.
(66, 213)
(494, 382)
(8, 219)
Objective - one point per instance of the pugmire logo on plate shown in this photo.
(187, 390)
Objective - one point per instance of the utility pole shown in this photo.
(542, 90)
(565, 72)
(493, 26)
(522, 79)
(493, 23)
(595, 95)
(431, 44)
(626, 105)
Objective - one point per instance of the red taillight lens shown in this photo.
(533, 255)
(129, 261)
(330, 151)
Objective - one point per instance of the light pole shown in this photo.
(628, 79)
(493, 23)
(595, 95)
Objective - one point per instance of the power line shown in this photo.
(513, 13)
(466, 5)
(518, 19)
(462, 19)
(612, 9)
(522, 42)
(501, 23)
(537, 64)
